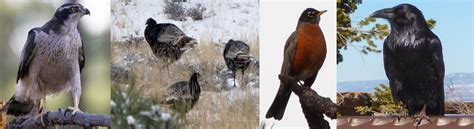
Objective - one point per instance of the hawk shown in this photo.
(51, 62)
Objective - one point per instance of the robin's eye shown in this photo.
(310, 14)
(73, 9)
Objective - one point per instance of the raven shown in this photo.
(413, 60)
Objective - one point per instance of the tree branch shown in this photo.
(62, 118)
(313, 105)
(361, 31)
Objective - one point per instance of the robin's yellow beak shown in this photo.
(321, 12)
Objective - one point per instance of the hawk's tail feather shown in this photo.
(17, 108)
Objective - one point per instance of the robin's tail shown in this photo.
(17, 108)
(279, 103)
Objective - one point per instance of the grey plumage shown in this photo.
(167, 41)
(236, 56)
(50, 62)
(184, 94)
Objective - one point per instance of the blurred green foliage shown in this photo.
(130, 109)
(349, 34)
(382, 102)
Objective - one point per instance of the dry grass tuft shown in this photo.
(219, 106)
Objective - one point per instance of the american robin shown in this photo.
(236, 56)
(305, 51)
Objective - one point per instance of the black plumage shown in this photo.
(167, 41)
(413, 60)
(184, 95)
(236, 56)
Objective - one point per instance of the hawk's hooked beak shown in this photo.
(87, 12)
(384, 13)
(321, 12)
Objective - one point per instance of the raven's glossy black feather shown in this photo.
(413, 61)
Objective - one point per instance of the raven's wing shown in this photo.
(438, 62)
(438, 79)
(391, 71)
(27, 54)
(170, 33)
(82, 57)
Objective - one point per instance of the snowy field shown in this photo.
(136, 69)
(225, 19)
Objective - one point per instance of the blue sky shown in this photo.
(454, 27)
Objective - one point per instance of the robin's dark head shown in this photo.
(401, 15)
(150, 21)
(311, 16)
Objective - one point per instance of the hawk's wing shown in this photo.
(82, 57)
(170, 33)
(27, 54)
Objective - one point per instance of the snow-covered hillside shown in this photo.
(225, 19)
(463, 83)
(136, 68)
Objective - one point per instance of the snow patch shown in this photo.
(225, 20)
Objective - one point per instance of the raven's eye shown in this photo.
(73, 9)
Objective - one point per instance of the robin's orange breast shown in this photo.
(310, 51)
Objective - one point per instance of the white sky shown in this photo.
(95, 24)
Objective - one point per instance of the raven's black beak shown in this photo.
(384, 13)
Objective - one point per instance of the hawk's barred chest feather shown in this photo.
(61, 50)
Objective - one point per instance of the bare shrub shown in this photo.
(455, 101)
(175, 10)
(197, 12)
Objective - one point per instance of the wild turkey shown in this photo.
(236, 56)
(184, 95)
(167, 41)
